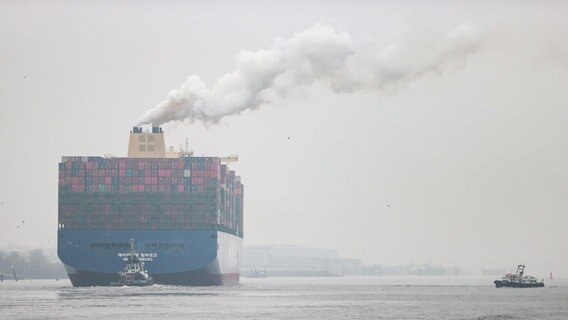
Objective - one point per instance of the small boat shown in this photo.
(518, 280)
(133, 273)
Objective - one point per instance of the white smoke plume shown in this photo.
(320, 53)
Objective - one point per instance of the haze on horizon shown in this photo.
(462, 167)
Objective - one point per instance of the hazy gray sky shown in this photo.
(465, 167)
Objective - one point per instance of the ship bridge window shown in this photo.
(142, 138)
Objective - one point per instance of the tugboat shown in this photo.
(133, 273)
(518, 280)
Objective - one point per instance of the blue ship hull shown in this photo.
(174, 257)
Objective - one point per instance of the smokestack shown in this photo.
(146, 144)
(320, 53)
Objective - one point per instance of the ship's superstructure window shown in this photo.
(146, 143)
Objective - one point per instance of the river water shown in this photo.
(289, 298)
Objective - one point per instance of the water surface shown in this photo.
(289, 298)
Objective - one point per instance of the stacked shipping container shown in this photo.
(149, 193)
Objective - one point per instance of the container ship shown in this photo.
(184, 214)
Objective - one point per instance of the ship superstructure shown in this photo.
(518, 280)
(184, 212)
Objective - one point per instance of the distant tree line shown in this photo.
(33, 265)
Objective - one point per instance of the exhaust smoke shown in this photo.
(320, 53)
